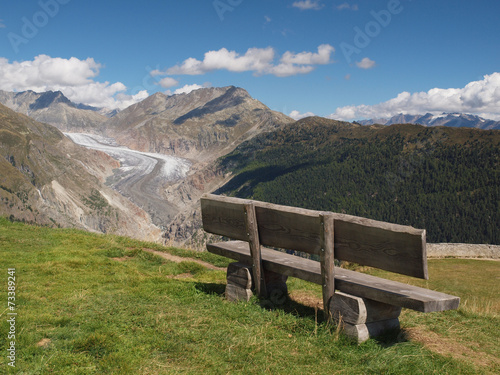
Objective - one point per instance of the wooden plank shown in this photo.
(390, 247)
(224, 217)
(355, 283)
(278, 226)
(327, 262)
(254, 243)
(299, 231)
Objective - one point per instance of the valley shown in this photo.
(141, 176)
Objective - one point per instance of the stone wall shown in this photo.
(462, 250)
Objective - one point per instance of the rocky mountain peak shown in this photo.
(49, 98)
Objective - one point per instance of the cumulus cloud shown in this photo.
(168, 82)
(260, 61)
(365, 63)
(478, 97)
(296, 115)
(309, 58)
(187, 89)
(74, 77)
(308, 4)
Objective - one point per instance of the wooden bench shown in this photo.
(365, 305)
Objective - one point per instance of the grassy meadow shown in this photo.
(95, 304)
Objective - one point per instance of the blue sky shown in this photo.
(340, 59)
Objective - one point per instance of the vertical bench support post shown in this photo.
(327, 262)
(255, 249)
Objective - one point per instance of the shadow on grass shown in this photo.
(283, 303)
(211, 288)
(280, 302)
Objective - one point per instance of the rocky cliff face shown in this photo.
(47, 179)
(55, 109)
(201, 125)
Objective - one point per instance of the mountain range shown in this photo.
(199, 126)
(236, 145)
(456, 120)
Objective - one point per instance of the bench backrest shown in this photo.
(391, 247)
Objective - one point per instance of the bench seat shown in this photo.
(351, 282)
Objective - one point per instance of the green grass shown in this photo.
(95, 304)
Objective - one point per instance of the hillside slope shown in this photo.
(446, 180)
(92, 304)
(47, 179)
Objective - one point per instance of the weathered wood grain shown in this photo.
(362, 332)
(300, 231)
(391, 247)
(254, 243)
(239, 274)
(327, 262)
(356, 310)
(237, 293)
(351, 282)
(386, 246)
(224, 217)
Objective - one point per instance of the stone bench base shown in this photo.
(360, 318)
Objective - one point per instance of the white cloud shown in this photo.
(2, 25)
(309, 58)
(347, 77)
(344, 6)
(168, 82)
(74, 77)
(365, 63)
(260, 61)
(307, 4)
(186, 89)
(268, 19)
(296, 115)
(478, 97)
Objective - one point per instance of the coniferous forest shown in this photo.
(444, 180)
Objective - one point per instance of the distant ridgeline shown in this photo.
(445, 180)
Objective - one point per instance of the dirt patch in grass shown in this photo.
(177, 259)
(43, 343)
(121, 259)
(306, 299)
(449, 348)
(181, 276)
